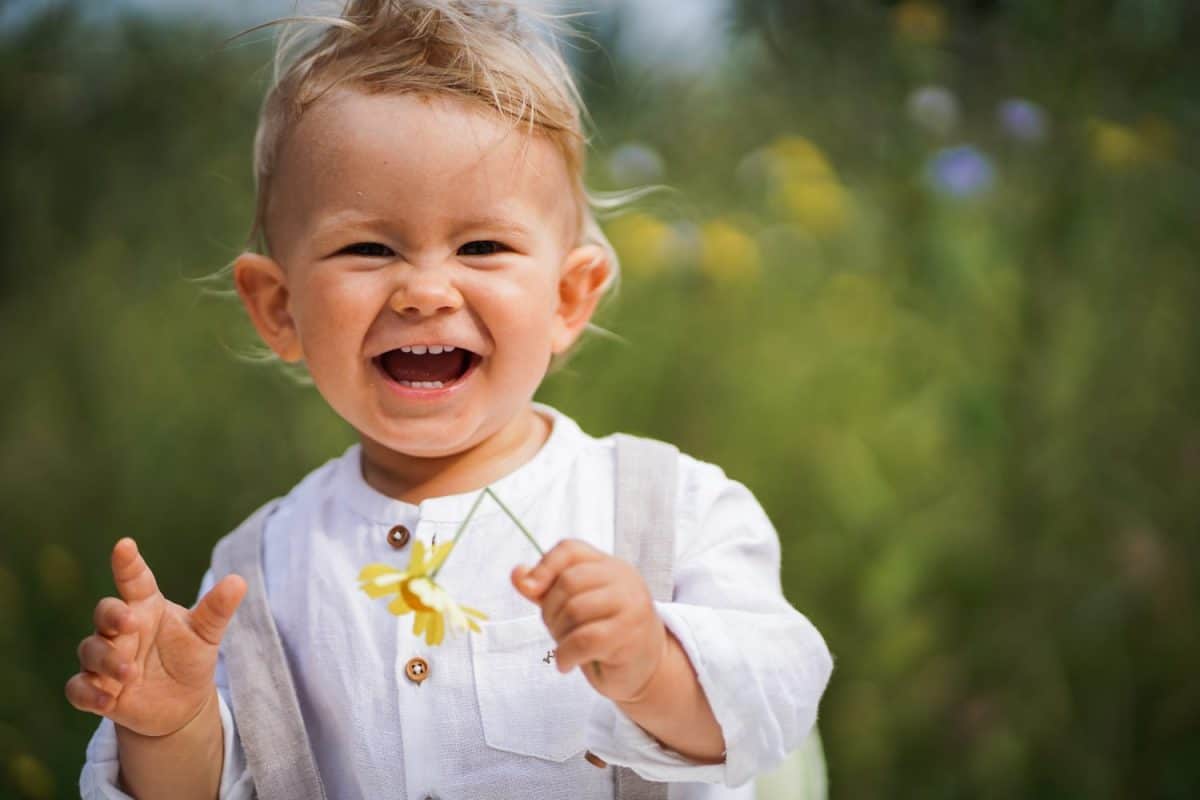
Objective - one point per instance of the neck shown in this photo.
(412, 479)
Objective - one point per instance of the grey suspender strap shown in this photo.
(645, 537)
(263, 695)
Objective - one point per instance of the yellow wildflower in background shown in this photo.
(819, 206)
(1118, 146)
(416, 591)
(1158, 137)
(1114, 145)
(920, 22)
(644, 242)
(797, 157)
(729, 255)
(804, 187)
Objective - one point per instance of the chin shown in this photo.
(419, 439)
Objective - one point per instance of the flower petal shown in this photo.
(380, 579)
(439, 555)
(399, 606)
(416, 564)
(430, 594)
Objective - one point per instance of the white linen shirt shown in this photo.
(495, 718)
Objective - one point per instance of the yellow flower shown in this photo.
(1158, 136)
(797, 157)
(644, 242)
(1114, 145)
(920, 22)
(730, 256)
(416, 591)
(805, 187)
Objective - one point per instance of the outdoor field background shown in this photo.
(926, 279)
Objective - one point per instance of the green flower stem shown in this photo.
(516, 521)
(474, 507)
(462, 527)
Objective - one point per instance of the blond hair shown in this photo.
(498, 54)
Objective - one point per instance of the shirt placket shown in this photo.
(422, 672)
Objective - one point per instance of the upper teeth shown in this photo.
(433, 349)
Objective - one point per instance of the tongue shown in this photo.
(444, 367)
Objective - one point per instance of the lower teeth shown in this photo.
(422, 384)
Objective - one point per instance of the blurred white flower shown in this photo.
(633, 164)
(934, 108)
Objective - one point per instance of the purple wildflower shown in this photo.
(1022, 119)
(961, 172)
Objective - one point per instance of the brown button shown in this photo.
(595, 760)
(398, 536)
(417, 670)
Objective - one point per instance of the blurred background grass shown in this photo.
(928, 284)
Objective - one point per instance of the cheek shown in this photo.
(333, 310)
(519, 305)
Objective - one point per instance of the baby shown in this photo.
(427, 252)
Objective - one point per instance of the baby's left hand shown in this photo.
(599, 611)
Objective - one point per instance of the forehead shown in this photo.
(416, 158)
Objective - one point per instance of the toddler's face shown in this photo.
(407, 222)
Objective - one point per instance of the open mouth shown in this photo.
(423, 368)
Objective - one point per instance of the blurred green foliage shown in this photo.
(966, 389)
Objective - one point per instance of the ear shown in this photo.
(262, 285)
(580, 287)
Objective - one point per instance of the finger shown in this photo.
(132, 575)
(580, 610)
(83, 694)
(213, 611)
(561, 556)
(112, 617)
(99, 655)
(591, 642)
(577, 579)
(518, 577)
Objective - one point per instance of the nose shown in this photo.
(425, 292)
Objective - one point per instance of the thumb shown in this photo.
(212, 613)
(518, 576)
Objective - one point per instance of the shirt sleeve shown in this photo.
(98, 780)
(762, 665)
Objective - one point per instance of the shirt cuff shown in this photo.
(620, 741)
(98, 780)
(765, 702)
(763, 690)
(617, 739)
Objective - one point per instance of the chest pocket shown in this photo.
(526, 704)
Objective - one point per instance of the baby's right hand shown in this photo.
(149, 666)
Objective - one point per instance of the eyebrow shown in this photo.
(491, 221)
(502, 223)
(348, 219)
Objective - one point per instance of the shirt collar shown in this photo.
(555, 455)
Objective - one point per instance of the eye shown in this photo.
(367, 250)
(481, 248)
